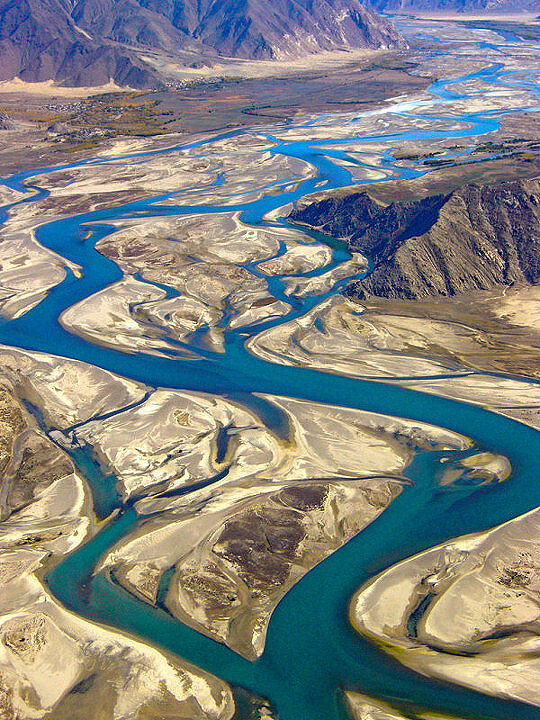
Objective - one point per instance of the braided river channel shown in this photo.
(311, 653)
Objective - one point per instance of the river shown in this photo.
(311, 651)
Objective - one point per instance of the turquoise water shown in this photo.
(311, 652)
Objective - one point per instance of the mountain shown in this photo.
(455, 6)
(474, 238)
(39, 40)
(283, 29)
(89, 42)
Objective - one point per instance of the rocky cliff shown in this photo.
(474, 238)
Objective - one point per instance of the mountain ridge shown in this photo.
(474, 238)
(89, 42)
(458, 6)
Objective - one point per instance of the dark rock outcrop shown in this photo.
(88, 42)
(474, 238)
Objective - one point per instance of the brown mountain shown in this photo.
(39, 40)
(87, 42)
(474, 238)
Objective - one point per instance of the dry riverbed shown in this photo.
(482, 348)
(269, 506)
(480, 610)
(47, 654)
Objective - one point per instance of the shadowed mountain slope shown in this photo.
(474, 238)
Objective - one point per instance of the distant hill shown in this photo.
(88, 42)
(456, 6)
